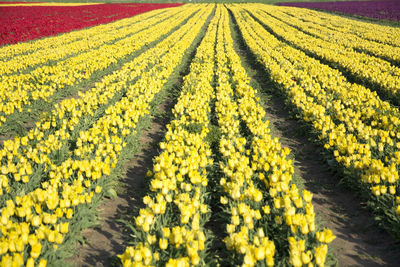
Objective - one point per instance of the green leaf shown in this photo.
(112, 193)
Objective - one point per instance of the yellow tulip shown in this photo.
(36, 250)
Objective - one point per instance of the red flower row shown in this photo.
(23, 23)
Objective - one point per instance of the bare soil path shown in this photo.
(359, 241)
(109, 238)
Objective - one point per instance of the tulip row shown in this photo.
(25, 157)
(348, 40)
(264, 204)
(376, 10)
(20, 90)
(369, 31)
(373, 70)
(267, 209)
(11, 51)
(86, 40)
(359, 129)
(40, 219)
(22, 23)
(245, 233)
(170, 229)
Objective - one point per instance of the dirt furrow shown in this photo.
(359, 241)
(109, 238)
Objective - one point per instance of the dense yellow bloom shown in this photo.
(55, 48)
(268, 162)
(179, 175)
(52, 133)
(367, 31)
(352, 121)
(73, 182)
(20, 90)
(337, 49)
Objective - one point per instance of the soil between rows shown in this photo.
(110, 237)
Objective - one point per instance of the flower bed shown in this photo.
(23, 23)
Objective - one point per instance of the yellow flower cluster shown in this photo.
(242, 195)
(41, 218)
(78, 42)
(172, 221)
(21, 156)
(369, 31)
(361, 130)
(279, 201)
(12, 51)
(323, 31)
(366, 67)
(19, 90)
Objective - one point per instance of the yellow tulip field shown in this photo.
(222, 188)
